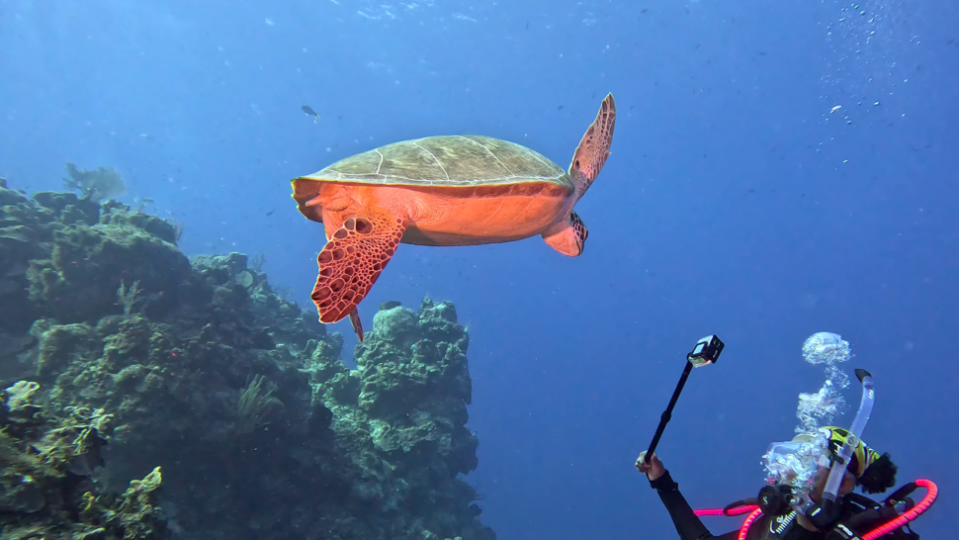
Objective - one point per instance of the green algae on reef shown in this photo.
(239, 396)
(46, 484)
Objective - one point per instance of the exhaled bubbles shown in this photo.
(821, 407)
(866, 41)
(825, 348)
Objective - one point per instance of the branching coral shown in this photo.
(127, 297)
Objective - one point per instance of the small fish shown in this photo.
(309, 110)
(389, 305)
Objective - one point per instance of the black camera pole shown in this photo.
(706, 351)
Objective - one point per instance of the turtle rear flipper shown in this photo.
(352, 260)
(568, 236)
(593, 149)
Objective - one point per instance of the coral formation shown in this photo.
(240, 396)
(46, 485)
(99, 185)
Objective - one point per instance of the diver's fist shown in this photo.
(654, 469)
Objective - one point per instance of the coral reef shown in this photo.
(46, 489)
(239, 396)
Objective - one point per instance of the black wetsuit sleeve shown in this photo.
(687, 523)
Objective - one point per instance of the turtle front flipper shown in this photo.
(593, 149)
(568, 236)
(351, 261)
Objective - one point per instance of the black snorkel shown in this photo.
(706, 352)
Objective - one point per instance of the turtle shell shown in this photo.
(446, 161)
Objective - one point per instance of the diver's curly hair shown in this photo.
(879, 476)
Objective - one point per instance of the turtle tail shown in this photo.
(593, 149)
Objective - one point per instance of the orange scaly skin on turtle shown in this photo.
(456, 190)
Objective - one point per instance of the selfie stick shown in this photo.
(706, 351)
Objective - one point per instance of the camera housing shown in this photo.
(706, 351)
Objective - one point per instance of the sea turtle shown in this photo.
(457, 190)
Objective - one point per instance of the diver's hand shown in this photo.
(654, 469)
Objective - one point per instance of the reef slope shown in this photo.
(237, 394)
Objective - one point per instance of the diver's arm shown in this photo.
(687, 523)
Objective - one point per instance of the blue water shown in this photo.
(734, 202)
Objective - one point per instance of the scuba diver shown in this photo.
(867, 469)
(810, 480)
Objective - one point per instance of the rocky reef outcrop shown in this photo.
(237, 394)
